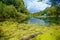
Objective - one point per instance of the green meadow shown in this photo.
(15, 31)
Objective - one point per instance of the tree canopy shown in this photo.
(13, 9)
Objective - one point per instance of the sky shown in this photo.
(35, 5)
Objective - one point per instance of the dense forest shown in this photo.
(13, 9)
(13, 26)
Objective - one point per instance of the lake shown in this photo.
(44, 21)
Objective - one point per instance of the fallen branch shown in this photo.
(31, 36)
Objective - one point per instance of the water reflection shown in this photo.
(44, 21)
(38, 21)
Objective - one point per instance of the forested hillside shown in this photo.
(50, 11)
(13, 9)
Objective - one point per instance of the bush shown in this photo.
(9, 11)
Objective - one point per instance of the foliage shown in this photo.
(51, 33)
(10, 30)
(50, 11)
(18, 4)
(1, 7)
(13, 9)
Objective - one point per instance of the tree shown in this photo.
(1, 7)
(13, 9)
(53, 2)
(9, 11)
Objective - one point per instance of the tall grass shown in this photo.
(10, 30)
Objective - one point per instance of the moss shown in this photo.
(14, 31)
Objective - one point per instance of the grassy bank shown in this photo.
(10, 30)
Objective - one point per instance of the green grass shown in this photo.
(10, 30)
(50, 33)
